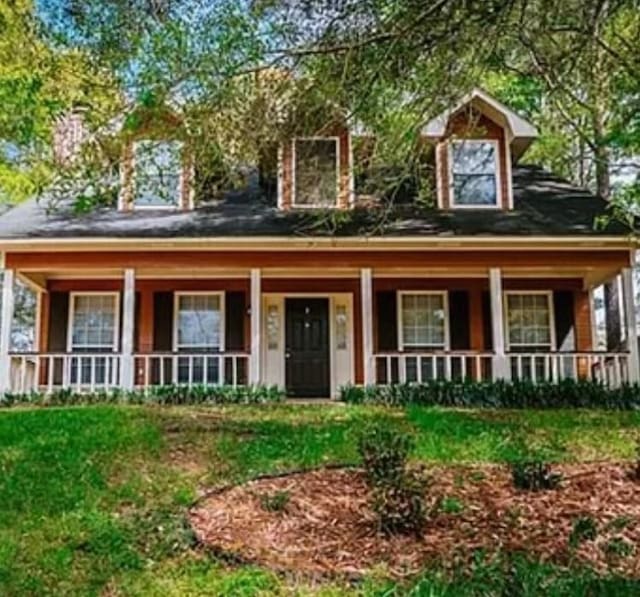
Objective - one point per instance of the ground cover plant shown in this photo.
(96, 498)
(566, 393)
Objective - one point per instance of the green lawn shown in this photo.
(93, 499)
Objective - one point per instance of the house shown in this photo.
(493, 281)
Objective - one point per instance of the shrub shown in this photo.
(397, 492)
(168, 394)
(275, 502)
(534, 475)
(567, 393)
(384, 452)
(584, 528)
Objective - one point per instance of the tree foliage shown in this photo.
(242, 75)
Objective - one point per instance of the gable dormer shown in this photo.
(316, 171)
(157, 167)
(476, 143)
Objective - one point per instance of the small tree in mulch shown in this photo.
(397, 492)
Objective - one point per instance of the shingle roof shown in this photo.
(544, 205)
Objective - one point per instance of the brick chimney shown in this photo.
(69, 134)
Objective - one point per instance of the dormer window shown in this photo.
(316, 172)
(474, 173)
(157, 174)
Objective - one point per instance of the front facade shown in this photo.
(495, 281)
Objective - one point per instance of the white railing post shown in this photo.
(501, 369)
(6, 319)
(128, 325)
(630, 323)
(255, 376)
(366, 293)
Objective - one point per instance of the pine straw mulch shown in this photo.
(328, 529)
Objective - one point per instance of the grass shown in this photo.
(93, 499)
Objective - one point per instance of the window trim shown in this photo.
(452, 195)
(179, 204)
(116, 319)
(445, 303)
(552, 317)
(336, 140)
(176, 309)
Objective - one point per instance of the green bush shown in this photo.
(169, 395)
(397, 492)
(567, 393)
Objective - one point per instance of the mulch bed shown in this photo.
(327, 527)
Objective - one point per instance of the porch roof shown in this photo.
(544, 205)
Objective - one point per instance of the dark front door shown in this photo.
(307, 348)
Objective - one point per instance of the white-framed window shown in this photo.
(474, 173)
(93, 321)
(423, 320)
(316, 172)
(199, 321)
(157, 174)
(529, 321)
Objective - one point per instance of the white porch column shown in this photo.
(255, 376)
(6, 319)
(366, 293)
(630, 324)
(128, 326)
(500, 360)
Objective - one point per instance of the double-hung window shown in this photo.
(423, 326)
(93, 328)
(474, 173)
(529, 322)
(315, 172)
(199, 329)
(157, 174)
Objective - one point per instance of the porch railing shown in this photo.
(401, 367)
(83, 372)
(90, 372)
(610, 368)
(154, 369)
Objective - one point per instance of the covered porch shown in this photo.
(313, 321)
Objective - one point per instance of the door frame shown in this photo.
(278, 359)
(301, 306)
